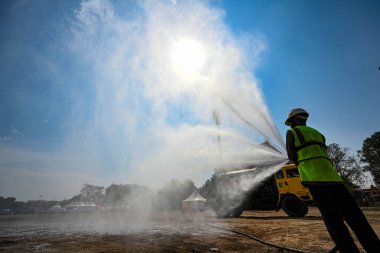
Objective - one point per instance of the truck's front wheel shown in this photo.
(294, 207)
(228, 208)
(237, 211)
(223, 212)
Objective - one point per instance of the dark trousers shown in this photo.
(336, 206)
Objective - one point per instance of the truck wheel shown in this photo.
(294, 207)
(223, 212)
(236, 212)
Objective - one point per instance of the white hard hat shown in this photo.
(296, 113)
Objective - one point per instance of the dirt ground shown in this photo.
(166, 232)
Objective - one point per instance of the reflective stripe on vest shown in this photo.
(309, 143)
(314, 163)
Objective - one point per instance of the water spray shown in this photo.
(215, 114)
(267, 139)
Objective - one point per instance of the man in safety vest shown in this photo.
(306, 147)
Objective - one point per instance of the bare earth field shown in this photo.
(165, 232)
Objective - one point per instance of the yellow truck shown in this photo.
(283, 190)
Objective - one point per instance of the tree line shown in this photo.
(130, 197)
(352, 166)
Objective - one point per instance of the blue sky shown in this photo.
(88, 95)
(321, 55)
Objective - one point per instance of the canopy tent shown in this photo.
(195, 202)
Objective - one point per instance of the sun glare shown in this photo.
(188, 56)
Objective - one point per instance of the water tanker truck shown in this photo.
(246, 189)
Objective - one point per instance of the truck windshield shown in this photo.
(279, 174)
(292, 173)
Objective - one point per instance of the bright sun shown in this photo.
(188, 56)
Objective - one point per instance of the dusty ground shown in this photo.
(165, 232)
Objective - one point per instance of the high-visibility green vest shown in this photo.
(314, 164)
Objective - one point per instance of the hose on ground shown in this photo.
(333, 250)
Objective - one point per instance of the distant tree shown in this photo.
(171, 195)
(7, 203)
(347, 165)
(209, 189)
(92, 193)
(116, 194)
(127, 196)
(370, 155)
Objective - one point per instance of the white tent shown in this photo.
(195, 202)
